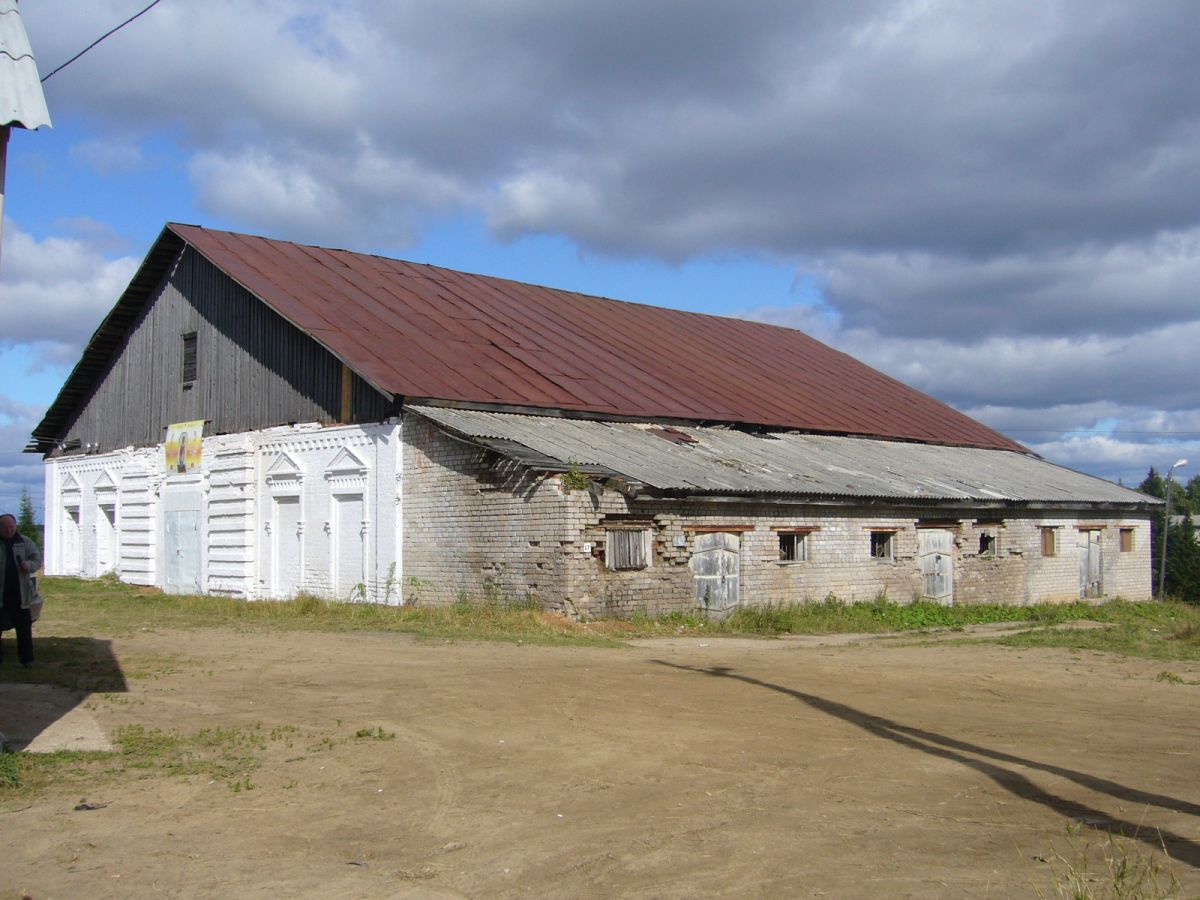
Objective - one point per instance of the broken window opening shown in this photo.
(987, 544)
(793, 546)
(628, 548)
(1049, 542)
(190, 365)
(883, 545)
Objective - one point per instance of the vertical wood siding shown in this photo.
(254, 369)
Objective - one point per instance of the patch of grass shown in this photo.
(1172, 678)
(1125, 870)
(835, 616)
(106, 606)
(10, 769)
(222, 753)
(375, 734)
(24, 773)
(1167, 631)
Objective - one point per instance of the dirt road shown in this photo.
(382, 766)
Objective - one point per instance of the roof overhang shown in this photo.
(724, 464)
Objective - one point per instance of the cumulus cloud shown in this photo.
(961, 130)
(18, 471)
(54, 292)
(999, 203)
(1109, 289)
(1104, 404)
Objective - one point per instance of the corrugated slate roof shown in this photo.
(721, 460)
(22, 103)
(427, 333)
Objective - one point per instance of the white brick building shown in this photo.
(379, 431)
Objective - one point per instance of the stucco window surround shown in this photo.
(285, 479)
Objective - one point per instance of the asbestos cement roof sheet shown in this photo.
(722, 460)
(425, 333)
(22, 103)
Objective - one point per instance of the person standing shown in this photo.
(19, 558)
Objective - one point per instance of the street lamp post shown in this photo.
(1162, 563)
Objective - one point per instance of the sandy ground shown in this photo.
(675, 768)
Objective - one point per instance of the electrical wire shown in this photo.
(99, 39)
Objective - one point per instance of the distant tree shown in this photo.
(1154, 485)
(27, 522)
(1193, 493)
(1183, 562)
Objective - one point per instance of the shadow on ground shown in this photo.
(39, 706)
(1001, 767)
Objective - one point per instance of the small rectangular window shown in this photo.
(189, 358)
(793, 546)
(1126, 540)
(987, 544)
(882, 545)
(1049, 542)
(628, 548)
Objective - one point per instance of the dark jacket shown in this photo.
(23, 549)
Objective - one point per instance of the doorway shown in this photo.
(716, 568)
(1091, 582)
(936, 562)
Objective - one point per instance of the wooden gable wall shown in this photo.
(253, 368)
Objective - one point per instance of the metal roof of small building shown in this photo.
(22, 103)
(730, 461)
(421, 332)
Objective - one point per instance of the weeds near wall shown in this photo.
(573, 479)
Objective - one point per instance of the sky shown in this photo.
(997, 203)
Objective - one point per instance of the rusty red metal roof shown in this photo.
(423, 332)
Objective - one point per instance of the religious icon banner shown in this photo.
(182, 450)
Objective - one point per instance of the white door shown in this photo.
(936, 561)
(71, 560)
(349, 558)
(1090, 580)
(106, 538)
(285, 550)
(182, 542)
(716, 571)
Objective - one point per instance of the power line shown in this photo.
(101, 38)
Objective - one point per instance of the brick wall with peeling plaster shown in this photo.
(475, 531)
(477, 526)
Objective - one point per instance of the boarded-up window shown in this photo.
(1049, 542)
(793, 546)
(883, 545)
(189, 358)
(1126, 540)
(628, 548)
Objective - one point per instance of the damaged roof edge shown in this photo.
(728, 464)
(592, 416)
